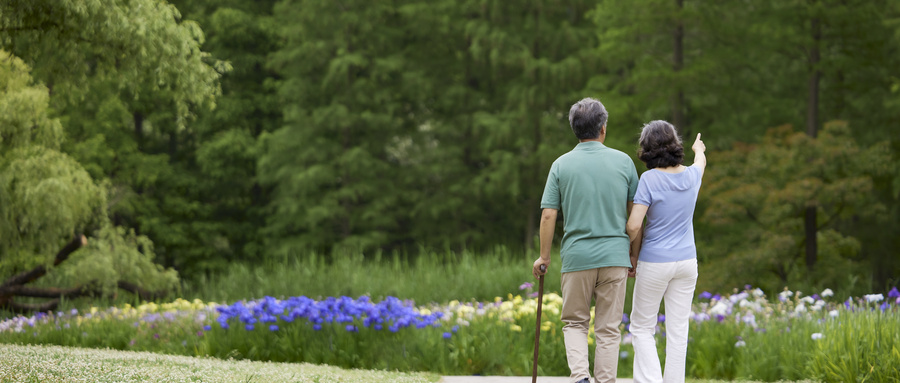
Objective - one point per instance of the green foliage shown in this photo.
(140, 46)
(415, 125)
(48, 198)
(755, 339)
(345, 88)
(114, 254)
(45, 196)
(428, 277)
(757, 196)
(863, 348)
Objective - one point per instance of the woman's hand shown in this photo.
(699, 146)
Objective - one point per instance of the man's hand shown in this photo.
(536, 269)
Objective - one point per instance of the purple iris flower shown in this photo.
(894, 293)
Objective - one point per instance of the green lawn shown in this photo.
(69, 364)
(72, 364)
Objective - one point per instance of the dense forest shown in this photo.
(182, 137)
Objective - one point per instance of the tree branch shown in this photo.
(37, 272)
(144, 294)
(49, 292)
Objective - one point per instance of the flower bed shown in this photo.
(741, 335)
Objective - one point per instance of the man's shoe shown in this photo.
(585, 380)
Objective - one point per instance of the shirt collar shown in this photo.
(590, 145)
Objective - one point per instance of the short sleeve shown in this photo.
(698, 175)
(642, 195)
(632, 180)
(551, 198)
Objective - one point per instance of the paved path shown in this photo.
(513, 379)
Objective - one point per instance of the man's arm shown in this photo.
(548, 227)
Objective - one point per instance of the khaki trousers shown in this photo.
(606, 286)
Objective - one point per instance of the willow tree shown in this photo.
(127, 77)
(48, 202)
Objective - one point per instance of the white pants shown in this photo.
(674, 281)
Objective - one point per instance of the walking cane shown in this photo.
(537, 330)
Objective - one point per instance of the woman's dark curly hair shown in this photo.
(660, 145)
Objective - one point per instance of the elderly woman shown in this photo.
(664, 257)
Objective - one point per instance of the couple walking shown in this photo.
(605, 241)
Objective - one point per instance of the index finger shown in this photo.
(698, 137)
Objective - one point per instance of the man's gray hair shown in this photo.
(587, 117)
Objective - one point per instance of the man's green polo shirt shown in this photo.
(591, 185)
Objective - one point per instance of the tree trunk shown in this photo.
(37, 272)
(678, 104)
(15, 286)
(812, 123)
(139, 129)
(531, 169)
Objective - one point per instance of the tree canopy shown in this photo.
(201, 132)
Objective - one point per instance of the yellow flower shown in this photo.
(546, 326)
(515, 328)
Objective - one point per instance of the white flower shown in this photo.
(808, 300)
(750, 319)
(871, 298)
(719, 309)
(738, 297)
(818, 306)
(753, 305)
(740, 343)
(827, 293)
(817, 336)
(758, 292)
(833, 313)
(784, 295)
(801, 308)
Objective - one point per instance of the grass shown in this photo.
(72, 364)
(69, 364)
(428, 277)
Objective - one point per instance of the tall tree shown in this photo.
(126, 77)
(221, 159)
(346, 89)
(821, 47)
(758, 194)
(496, 116)
(47, 198)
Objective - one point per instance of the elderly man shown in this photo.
(594, 186)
